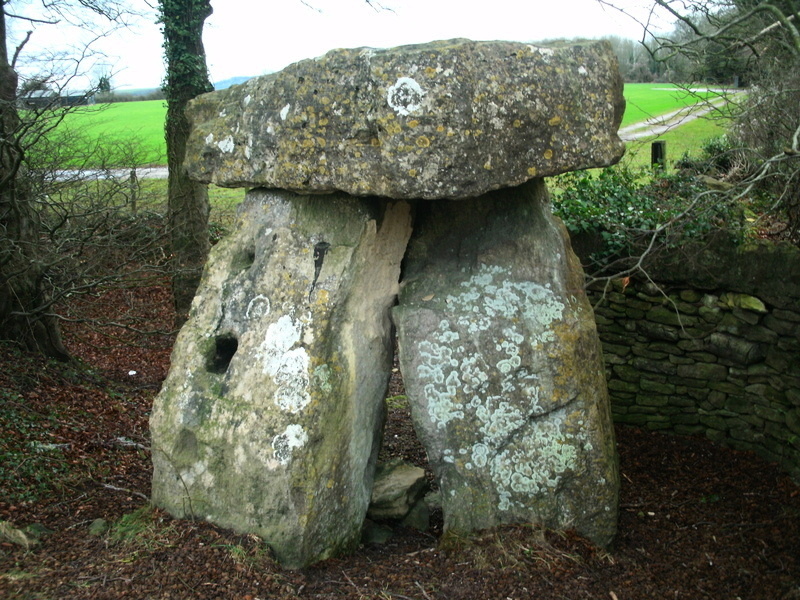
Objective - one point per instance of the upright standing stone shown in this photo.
(271, 416)
(503, 368)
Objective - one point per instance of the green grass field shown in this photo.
(122, 123)
(646, 100)
(686, 139)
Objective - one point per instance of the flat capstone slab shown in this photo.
(446, 120)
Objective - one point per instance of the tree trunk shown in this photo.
(187, 77)
(188, 217)
(25, 316)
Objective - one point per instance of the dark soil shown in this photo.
(696, 520)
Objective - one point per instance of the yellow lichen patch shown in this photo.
(322, 296)
(554, 121)
(308, 143)
(322, 122)
(374, 142)
(321, 142)
(325, 100)
(532, 171)
(440, 128)
(430, 71)
(488, 165)
(548, 154)
(423, 142)
(517, 123)
(412, 172)
(393, 128)
(413, 123)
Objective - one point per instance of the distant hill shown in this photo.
(226, 83)
(220, 85)
(137, 91)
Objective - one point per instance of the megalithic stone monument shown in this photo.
(271, 416)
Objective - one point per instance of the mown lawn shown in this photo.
(125, 124)
(688, 138)
(646, 100)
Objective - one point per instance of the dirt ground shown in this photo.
(696, 520)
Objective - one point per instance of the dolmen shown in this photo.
(395, 190)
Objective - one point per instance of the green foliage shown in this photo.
(182, 25)
(397, 402)
(252, 554)
(133, 526)
(626, 209)
(143, 528)
(716, 155)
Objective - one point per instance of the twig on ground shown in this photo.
(422, 589)
(124, 490)
(126, 442)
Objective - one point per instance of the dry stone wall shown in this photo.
(713, 349)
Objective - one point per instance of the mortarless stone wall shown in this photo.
(713, 349)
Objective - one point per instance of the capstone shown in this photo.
(451, 119)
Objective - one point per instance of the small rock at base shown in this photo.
(98, 527)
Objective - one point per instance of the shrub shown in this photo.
(633, 211)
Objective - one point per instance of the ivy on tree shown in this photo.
(187, 77)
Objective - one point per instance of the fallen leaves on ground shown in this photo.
(696, 520)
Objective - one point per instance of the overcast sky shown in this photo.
(251, 37)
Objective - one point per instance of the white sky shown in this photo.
(251, 37)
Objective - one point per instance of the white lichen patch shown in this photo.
(286, 363)
(285, 112)
(322, 379)
(405, 96)
(475, 371)
(536, 463)
(227, 145)
(258, 307)
(284, 444)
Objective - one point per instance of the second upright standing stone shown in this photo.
(503, 368)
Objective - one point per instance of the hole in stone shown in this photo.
(243, 260)
(225, 346)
